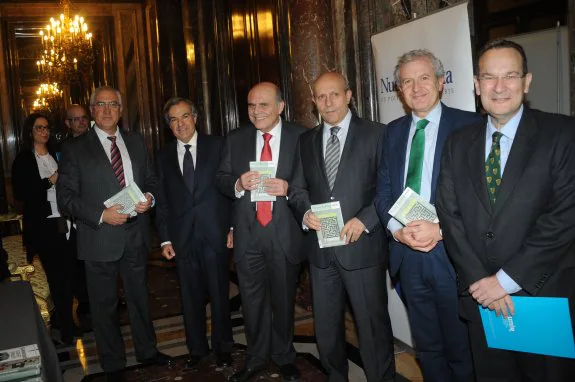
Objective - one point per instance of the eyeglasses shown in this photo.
(184, 118)
(42, 128)
(111, 104)
(488, 79)
(78, 119)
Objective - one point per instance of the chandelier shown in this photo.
(66, 48)
(48, 97)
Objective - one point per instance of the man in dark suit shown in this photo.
(506, 203)
(266, 236)
(192, 217)
(411, 156)
(94, 167)
(337, 161)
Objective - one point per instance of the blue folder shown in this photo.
(540, 325)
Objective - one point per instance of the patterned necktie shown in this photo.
(264, 209)
(493, 168)
(332, 153)
(415, 166)
(188, 169)
(116, 160)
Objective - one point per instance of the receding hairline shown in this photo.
(269, 86)
(335, 75)
(72, 107)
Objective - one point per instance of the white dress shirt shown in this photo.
(431, 131)
(47, 166)
(193, 150)
(276, 133)
(126, 162)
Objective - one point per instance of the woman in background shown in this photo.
(34, 176)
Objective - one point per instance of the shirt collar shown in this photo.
(433, 116)
(104, 135)
(509, 129)
(193, 141)
(276, 130)
(343, 125)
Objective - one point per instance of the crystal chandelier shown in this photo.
(48, 97)
(66, 48)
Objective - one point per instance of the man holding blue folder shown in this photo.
(506, 203)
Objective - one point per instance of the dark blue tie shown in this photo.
(188, 169)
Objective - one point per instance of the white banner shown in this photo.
(445, 34)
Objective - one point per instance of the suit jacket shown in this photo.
(86, 180)
(182, 217)
(31, 190)
(239, 150)
(354, 188)
(391, 177)
(530, 231)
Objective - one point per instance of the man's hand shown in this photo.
(352, 230)
(168, 252)
(276, 187)
(503, 306)
(142, 207)
(487, 290)
(54, 178)
(405, 236)
(311, 221)
(426, 235)
(113, 217)
(248, 181)
(230, 240)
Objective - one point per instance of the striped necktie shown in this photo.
(332, 152)
(116, 160)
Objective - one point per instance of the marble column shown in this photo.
(312, 48)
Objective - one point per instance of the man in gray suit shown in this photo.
(338, 161)
(94, 167)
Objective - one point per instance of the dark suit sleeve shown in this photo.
(225, 179)
(68, 190)
(368, 214)
(552, 236)
(462, 254)
(383, 197)
(161, 202)
(298, 197)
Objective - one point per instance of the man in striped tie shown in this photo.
(94, 167)
(337, 161)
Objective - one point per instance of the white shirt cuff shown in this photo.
(239, 194)
(165, 243)
(393, 226)
(507, 283)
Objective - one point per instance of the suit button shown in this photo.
(490, 235)
(332, 197)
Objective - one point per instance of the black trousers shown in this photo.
(79, 287)
(367, 294)
(205, 273)
(103, 292)
(267, 283)
(59, 265)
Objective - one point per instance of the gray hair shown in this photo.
(418, 54)
(176, 100)
(103, 88)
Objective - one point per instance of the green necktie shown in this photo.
(415, 166)
(493, 168)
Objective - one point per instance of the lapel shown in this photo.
(132, 148)
(345, 162)
(523, 146)
(283, 161)
(476, 163)
(99, 153)
(202, 154)
(318, 150)
(401, 150)
(173, 163)
(445, 128)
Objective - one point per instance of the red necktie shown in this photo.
(116, 160)
(264, 209)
